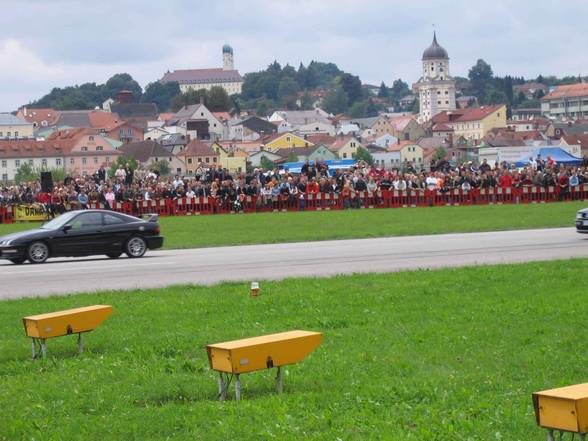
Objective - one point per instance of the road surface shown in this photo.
(259, 262)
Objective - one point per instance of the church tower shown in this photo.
(228, 58)
(436, 86)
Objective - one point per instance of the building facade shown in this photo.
(436, 86)
(12, 127)
(567, 101)
(226, 77)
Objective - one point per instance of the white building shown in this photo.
(567, 101)
(226, 77)
(436, 86)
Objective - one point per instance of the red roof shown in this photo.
(222, 116)
(465, 115)
(576, 140)
(38, 115)
(199, 76)
(399, 146)
(24, 148)
(340, 142)
(321, 139)
(442, 128)
(568, 91)
(198, 148)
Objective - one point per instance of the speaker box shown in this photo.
(46, 182)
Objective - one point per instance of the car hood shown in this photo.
(14, 237)
(585, 210)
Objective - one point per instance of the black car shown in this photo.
(83, 233)
(582, 221)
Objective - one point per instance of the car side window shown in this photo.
(86, 220)
(110, 219)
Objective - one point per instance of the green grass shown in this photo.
(218, 230)
(429, 355)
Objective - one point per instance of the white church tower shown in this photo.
(436, 86)
(228, 63)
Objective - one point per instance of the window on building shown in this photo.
(72, 161)
(44, 162)
(16, 134)
(58, 161)
(4, 177)
(84, 149)
(446, 92)
(438, 92)
(99, 148)
(1, 134)
(91, 138)
(344, 155)
(130, 131)
(4, 164)
(95, 160)
(189, 160)
(84, 160)
(17, 163)
(207, 160)
(446, 102)
(288, 139)
(438, 102)
(8, 134)
(31, 162)
(214, 159)
(107, 159)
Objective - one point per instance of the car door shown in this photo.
(116, 231)
(83, 235)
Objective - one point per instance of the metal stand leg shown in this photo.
(34, 347)
(550, 435)
(222, 389)
(80, 343)
(279, 380)
(43, 348)
(238, 388)
(582, 437)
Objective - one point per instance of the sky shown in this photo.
(57, 43)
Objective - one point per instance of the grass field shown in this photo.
(204, 231)
(430, 355)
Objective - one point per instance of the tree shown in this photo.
(160, 167)
(480, 75)
(287, 92)
(266, 163)
(190, 97)
(25, 173)
(352, 87)
(383, 92)
(336, 100)
(306, 102)
(292, 157)
(357, 110)
(121, 81)
(440, 154)
(399, 90)
(218, 100)
(363, 155)
(161, 94)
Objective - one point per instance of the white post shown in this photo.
(238, 388)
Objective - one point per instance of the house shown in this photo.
(250, 129)
(473, 123)
(558, 129)
(12, 127)
(385, 140)
(408, 151)
(314, 153)
(85, 150)
(136, 114)
(198, 153)
(466, 101)
(383, 159)
(123, 131)
(146, 152)
(346, 128)
(37, 154)
(529, 90)
(345, 146)
(441, 130)
(39, 118)
(567, 101)
(297, 118)
(316, 128)
(174, 142)
(407, 100)
(193, 79)
(576, 145)
(154, 133)
(199, 122)
(255, 158)
(230, 157)
(526, 113)
(402, 127)
(284, 141)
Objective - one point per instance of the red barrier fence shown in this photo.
(334, 201)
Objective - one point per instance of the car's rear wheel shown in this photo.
(38, 252)
(114, 255)
(18, 261)
(135, 247)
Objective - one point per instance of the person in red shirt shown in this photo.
(506, 180)
(563, 184)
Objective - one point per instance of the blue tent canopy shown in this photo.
(558, 154)
(294, 167)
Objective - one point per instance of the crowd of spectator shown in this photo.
(127, 185)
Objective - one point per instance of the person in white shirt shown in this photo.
(431, 182)
(120, 173)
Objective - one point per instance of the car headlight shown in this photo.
(5, 242)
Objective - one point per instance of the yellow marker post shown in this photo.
(564, 409)
(56, 324)
(265, 352)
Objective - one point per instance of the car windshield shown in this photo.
(58, 222)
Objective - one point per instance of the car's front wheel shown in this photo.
(38, 252)
(18, 261)
(135, 247)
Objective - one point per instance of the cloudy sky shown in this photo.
(55, 43)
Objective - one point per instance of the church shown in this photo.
(226, 77)
(436, 86)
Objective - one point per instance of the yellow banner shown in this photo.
(34, 212)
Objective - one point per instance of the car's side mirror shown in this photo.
(66, 228)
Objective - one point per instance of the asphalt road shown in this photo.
(259, 262)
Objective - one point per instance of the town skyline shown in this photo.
(375, 41)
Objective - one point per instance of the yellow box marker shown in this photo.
(257, 353)
(70, 321)
(564, 409)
